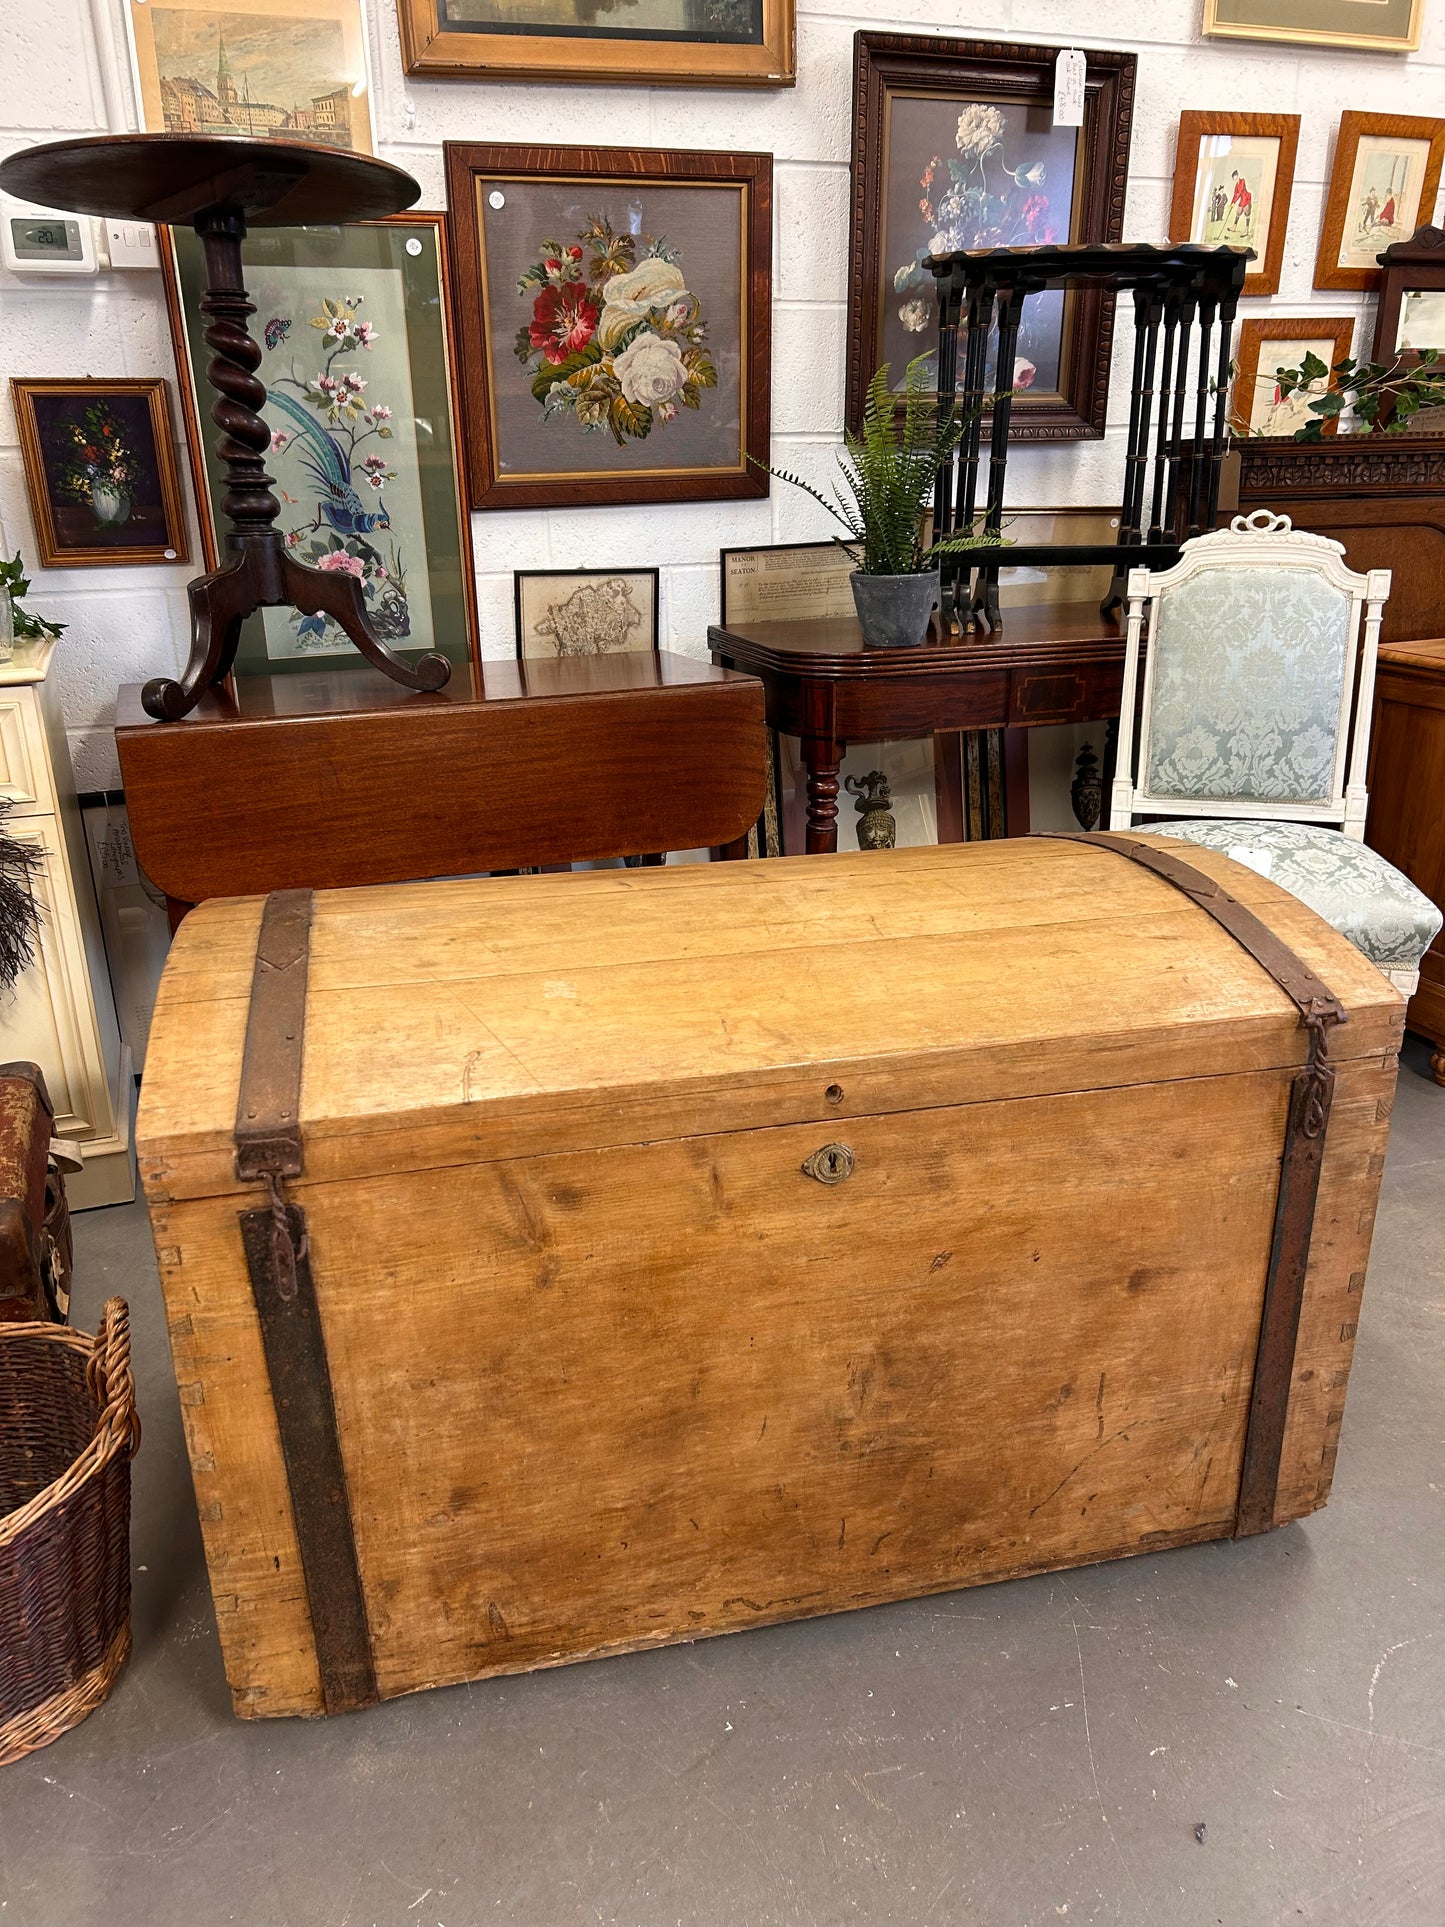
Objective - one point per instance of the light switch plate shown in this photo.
(132, 244)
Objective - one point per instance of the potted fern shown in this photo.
(888, 472)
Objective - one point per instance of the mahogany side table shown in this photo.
(1060, 663)
(340, 777)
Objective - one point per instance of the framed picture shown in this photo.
(585, 612)
(680, 43)
(789, 582)
(100, 470)
(291, 69)
(352, 327)
(1411, 314)
(1385, 26)
(1265, 347)
(954, 147)
(615, 309)
(1233, 174)
(1036, 585)
(1382, 187)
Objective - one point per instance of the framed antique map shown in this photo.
(684, 43)
(614, 313)
(352, 326)
(586, 612)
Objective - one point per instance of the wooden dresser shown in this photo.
(62, 1016)
(1407, 803)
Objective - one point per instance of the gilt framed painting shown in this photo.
(1259, 405)
(281, 69)
(100, 471)
(954, 146)
(1383, 184)
(352, 324)
(679, 43)
(1233, 175)
(614, 314)
(1380, 26)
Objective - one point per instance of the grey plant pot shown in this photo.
(893, 610)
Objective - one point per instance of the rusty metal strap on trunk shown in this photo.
(278, 1259)
(1299, 1178)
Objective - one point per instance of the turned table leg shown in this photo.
(821, 758)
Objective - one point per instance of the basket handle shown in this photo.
(110, 1379)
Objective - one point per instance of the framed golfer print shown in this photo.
(1233, 174)
(614, 309)
(1382, 187)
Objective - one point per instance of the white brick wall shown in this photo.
(63, 70)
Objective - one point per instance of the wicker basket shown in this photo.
(68, 1432)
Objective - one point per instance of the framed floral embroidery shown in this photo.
(352, 326)
(614, 312)
(954, 146)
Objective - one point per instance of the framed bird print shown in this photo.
(352, 323)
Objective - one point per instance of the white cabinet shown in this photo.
(61, 1014)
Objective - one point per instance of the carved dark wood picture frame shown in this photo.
(501, 176)
(890, 66)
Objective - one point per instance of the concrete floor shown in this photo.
(1232, 1735)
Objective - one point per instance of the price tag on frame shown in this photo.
(1069, 70)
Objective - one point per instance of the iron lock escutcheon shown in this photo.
(830, 1165)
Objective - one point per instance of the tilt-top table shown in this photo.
(219, 186)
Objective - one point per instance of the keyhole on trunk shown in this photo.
(830, 1165)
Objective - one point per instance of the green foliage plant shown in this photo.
(1382, 397)
(28, 627)
(888, 473)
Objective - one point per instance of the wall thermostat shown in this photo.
(40, 240)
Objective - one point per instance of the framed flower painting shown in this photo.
(954, 146)
(352, 327)
(614, 314)
(100, 470)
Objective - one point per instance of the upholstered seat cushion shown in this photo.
(1365, 898)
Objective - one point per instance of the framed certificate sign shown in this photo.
(614, 311)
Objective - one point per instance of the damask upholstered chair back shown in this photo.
(1250, 680)
(1255, 725)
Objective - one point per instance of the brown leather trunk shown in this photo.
(35, 1252)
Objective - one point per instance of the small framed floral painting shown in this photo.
(614, 312)
(352, 323)
(100, 470)
(954, 146)
(1233, 175)
(585, 612)
(1383, 184)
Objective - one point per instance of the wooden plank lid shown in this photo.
(460, 1021)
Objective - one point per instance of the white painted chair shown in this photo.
(1245, 740)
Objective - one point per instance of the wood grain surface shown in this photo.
(343, 778)
(611, 1370)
